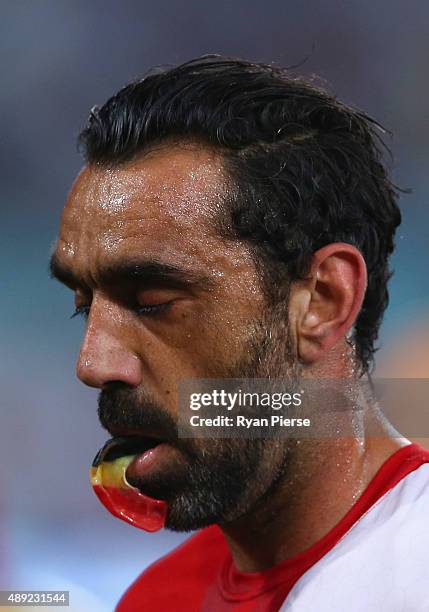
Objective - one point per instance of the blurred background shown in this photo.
(58, 58)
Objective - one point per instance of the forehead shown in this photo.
(166, 199)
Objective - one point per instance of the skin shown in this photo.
(159, 208)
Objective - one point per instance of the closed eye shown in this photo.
(141, 309)
(151, 309)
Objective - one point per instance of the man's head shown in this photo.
(222, 227)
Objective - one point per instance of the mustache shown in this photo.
(120, 407)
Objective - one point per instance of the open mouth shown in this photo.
(132, 458)
(123, 446)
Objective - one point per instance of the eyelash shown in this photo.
(146, 310)
(80, 311)
(150, 309)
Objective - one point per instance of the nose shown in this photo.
(104, 357)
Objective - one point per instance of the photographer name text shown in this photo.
(238, 420)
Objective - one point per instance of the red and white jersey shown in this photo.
(381, 563)
(376, 559)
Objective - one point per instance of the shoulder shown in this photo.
(384, 554)
(187, 571)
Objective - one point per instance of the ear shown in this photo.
(324, 306)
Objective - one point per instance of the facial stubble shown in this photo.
(214, 480)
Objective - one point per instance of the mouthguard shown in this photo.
(108, 479)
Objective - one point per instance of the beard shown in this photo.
(212, 480)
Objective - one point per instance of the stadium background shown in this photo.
(58, 58)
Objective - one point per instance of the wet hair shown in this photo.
(306, 170)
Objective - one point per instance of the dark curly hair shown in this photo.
(307, 169)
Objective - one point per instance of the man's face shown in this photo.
(169, 299)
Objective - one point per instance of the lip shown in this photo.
(127, 431)
(144, 454)
(144, 432)
(146, 461)
(120, 446)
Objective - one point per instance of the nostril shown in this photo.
(115, 385)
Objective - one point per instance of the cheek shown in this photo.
(216, 337)
(189, 345)
(198, 343)
(196, 330)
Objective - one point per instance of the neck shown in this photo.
(322, 481)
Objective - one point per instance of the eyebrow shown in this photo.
(134, 271)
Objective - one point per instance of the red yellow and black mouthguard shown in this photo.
(108, 479)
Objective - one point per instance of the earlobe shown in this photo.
(336, 284)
